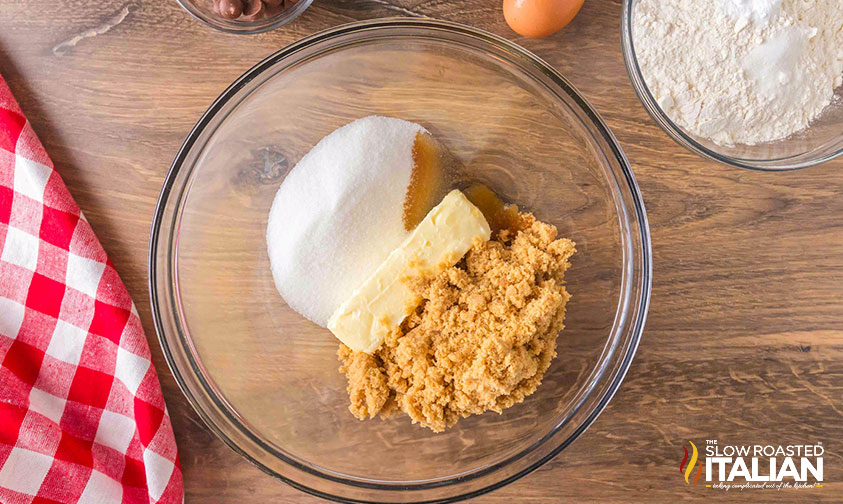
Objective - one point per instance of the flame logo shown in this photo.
(686, 470)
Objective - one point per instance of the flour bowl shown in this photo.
(265, 380)
(820, 142)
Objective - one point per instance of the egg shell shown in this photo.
(539, 18)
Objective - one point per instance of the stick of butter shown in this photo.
(385, 299)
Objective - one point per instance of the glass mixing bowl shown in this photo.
(820, 142)
(265, 380)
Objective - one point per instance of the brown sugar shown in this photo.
(481, 339)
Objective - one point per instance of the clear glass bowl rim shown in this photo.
(676, 133)
(250, 27)
(642, 282)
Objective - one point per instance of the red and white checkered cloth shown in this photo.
(82, 418)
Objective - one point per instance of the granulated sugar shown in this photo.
(740, 71)
(338, 213)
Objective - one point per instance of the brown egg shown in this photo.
(539, 18)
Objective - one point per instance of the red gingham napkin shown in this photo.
(82, 418)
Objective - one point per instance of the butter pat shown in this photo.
(384, 300)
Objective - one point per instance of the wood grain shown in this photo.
(743, 342)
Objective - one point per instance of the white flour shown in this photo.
(740, 71)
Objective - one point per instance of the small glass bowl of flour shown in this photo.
(751, 83)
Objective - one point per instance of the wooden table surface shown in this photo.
(743, 341)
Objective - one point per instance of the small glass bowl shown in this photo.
(265, 380)
(203, 10)
(820, 142)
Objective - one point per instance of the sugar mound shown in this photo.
(338, 213)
